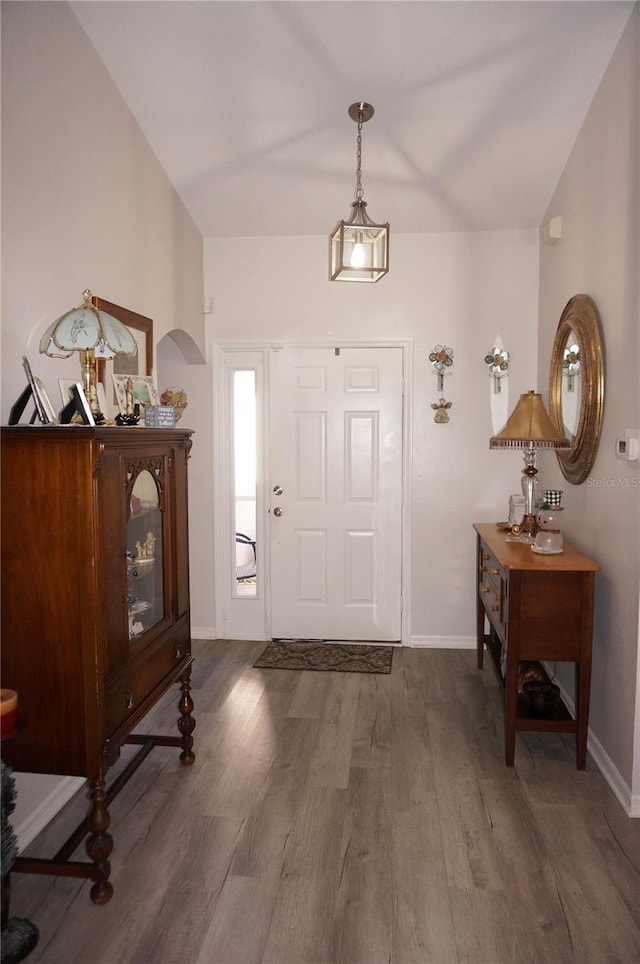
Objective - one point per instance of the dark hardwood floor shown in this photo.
(351, 819)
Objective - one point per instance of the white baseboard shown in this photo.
(38, 799)
(620, 789)
(444, 642)
(203, 632)
(629, 801)
(248, 638)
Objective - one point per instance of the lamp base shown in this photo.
(523, 537)
(518, 534)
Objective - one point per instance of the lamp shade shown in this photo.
(87, 329)
(359, 247)
(529, 426)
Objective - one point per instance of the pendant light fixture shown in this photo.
(359, 248)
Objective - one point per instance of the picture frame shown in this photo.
(44, 410)
(66, 389)
(82, 404)
(67, 385)
(75, 403)
(141, 328)
(143, 391)
(49, 410)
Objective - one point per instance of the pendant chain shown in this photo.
(359, 192)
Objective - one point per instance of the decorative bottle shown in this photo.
(549, 537)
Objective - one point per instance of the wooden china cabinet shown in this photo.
(95, 609)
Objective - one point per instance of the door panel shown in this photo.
(336, 453)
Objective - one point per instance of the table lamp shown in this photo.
(92, 333)
(530, 428)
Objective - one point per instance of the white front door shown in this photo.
(336, 493)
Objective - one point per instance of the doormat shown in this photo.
(326, 657)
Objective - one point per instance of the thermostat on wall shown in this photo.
(628, 448)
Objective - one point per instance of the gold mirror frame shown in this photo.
(580, 316)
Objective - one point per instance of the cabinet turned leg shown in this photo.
(186, 723)
(99, 843)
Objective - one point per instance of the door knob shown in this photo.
(277, 489)
(278, 511)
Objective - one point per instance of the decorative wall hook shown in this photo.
(498, 362)
(442, 410)
(441, 358)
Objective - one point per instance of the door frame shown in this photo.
(224, 626)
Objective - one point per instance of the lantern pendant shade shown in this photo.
(358, 247)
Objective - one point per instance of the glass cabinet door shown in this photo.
(145, 580)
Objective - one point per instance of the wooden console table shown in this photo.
(540, 608)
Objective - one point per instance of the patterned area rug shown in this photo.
(335, 657)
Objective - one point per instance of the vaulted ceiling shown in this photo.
(477, 105)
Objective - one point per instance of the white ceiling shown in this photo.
(477, 105)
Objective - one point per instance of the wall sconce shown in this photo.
(571, 365)
(530, 428)
(92, 333)
(359, 248)
(441, 358)
(498, 362)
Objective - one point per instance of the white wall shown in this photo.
(85, 203)
(457, 289)
(198, 416)
(599, 255)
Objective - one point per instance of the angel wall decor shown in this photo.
(442, 410)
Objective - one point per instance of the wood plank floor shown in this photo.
(351, 819)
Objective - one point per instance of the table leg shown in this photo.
(510, 710)
(582, 689)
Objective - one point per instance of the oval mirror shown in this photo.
(576, 386)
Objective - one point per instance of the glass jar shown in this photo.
(549, 537)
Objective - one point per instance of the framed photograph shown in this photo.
(35, 388)
(49, 410)
(66, 389)
(102, 397)
(141, 388)
(82, 404)
(75, 403)
(67, 386)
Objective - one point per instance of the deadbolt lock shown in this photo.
(277, 489)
